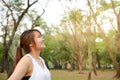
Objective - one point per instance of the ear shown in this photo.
(30, 45)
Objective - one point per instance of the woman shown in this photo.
(30, 66)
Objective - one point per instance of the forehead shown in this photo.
(36, 33)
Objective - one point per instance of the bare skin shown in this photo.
(21, 70)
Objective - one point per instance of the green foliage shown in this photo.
(50, 50)
(118, 58)
(64, 49)
(16, 5)
(75, 16)
(56, 50)
(105, 5)
(116, 3)
(60, 44)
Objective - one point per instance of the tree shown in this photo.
(89, 41)
(106, 40)
(117, 14)
(14, 14)
(72, 25)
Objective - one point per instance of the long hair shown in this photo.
(26, 38)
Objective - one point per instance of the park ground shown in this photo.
(74, 75)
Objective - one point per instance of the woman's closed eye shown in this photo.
(40, 36)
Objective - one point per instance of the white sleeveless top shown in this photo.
(38, 72)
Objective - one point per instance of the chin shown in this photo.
(43, 46)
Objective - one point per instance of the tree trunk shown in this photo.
(89, 41)
(118, 44)
(118, 73)
(118, 38)
(80, 61)
(94, 65)
(115, 63)
(80, 67)
(4, 61)
(89, 75)
(98, 61)
(94, 54)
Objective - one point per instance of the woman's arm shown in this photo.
(21, 69)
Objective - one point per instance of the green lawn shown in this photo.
(73, 75)
(3, 76)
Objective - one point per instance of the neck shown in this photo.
(35, 54)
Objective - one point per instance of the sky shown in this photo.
(54, 10)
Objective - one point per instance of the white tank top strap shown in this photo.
(42, 60)
(29, 56)
(39, 73)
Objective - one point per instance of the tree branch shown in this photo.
(105, 38)
(28, 3)
(18, 21)
(113, 7)
(37, 18)
(112, 25)
(32, 3)
(10, 11)
(25, 11)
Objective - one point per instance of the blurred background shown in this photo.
(82, 37)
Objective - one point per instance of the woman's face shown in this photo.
(38, 41)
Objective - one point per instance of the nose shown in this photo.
(42, 39)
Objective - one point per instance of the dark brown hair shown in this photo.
(26, 38)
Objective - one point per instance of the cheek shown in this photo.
(41, 40)
(37, 42)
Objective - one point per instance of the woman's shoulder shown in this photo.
(25, 60)
(41, 58)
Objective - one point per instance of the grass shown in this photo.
(3, 76)
(73, 75)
